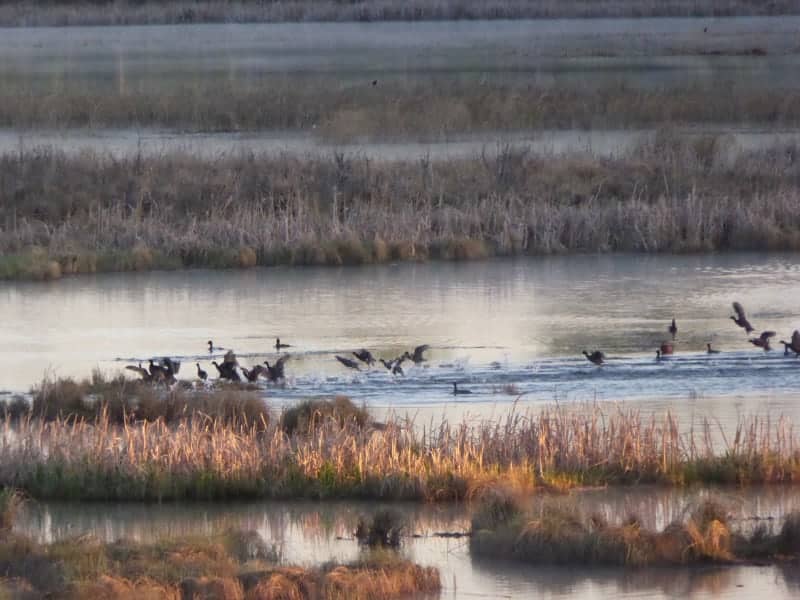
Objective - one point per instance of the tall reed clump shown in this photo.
(120, 400)
(553, 534)
(675, 195)
(209, 458)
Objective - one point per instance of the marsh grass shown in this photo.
(119, 400)
(138, 12)
(553, 534)
(427, 109)
(90, 213)
(211, 459)
(196, 567)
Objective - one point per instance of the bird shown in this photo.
(741, 319)
(212, 347)
(157, 372)
(145, 374)
(200, 373)
(658, 355)
(673, 329)
(374, 82)
(418, 356)
(710, 350)
(762, 341)
(705, 29)
(458, 392)
(227, 370)
(595, 357)
(279, 346)
(365, 356)
(347, 362)
(276, 371)
(394, 366)
(252, 374)
(794, 345)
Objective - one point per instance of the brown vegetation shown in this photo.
(674, 194)
(138, 12)
(196, 569)
(424, 109)
(553, 534)
(207, 458)
(120, 400)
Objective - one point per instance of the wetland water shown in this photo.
(638, 52)
(512, 331)
(310, 533)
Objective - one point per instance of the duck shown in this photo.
(762, 341)
(419, 354)
(595, 357)
(200, 373)
(212, 348)
(740, 318)
(279, 346)
(793, 346)
(458, 392)
(275, 372)
(710, 350)
(365, 356)
(673, 328)
(347, 362)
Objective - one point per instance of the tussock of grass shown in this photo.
(120, 400)
(304, 417)
(554, 534)
(195, 568)
(385, 530)
(674, 195)
(216, 458)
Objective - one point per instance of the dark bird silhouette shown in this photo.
(741, 319)
(212, 347)
(144, 373)
(710, 350)
(200, 373)
(419, 354)
(658, 355)
(395, 366)
(157, 372)
(275, 372)
(595, 357)
(458, 392)
(762, 341)
(705, 29)
(673, 329)
(350, 364)
(252, 374)
(279, 346)
(793, 346)
(227, 370)
(365, 356)
(374, 82)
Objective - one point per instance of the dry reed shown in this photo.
(138, 12)
(89, 213)
(208, 459)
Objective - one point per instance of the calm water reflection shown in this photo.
(310, 533)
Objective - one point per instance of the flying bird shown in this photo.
(595, 357)
(741, 319)
(762, 341)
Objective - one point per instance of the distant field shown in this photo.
(121, 12)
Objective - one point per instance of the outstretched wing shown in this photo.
(796, 339)
(739, 310)
(145, 374)
(765, 335)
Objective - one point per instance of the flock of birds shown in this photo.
(740, 318)
(230, 369)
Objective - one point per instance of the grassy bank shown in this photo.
(205, 458)
(230, 566)
(122, 12)
(552, 534)
(427, 109)
(62, 215)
